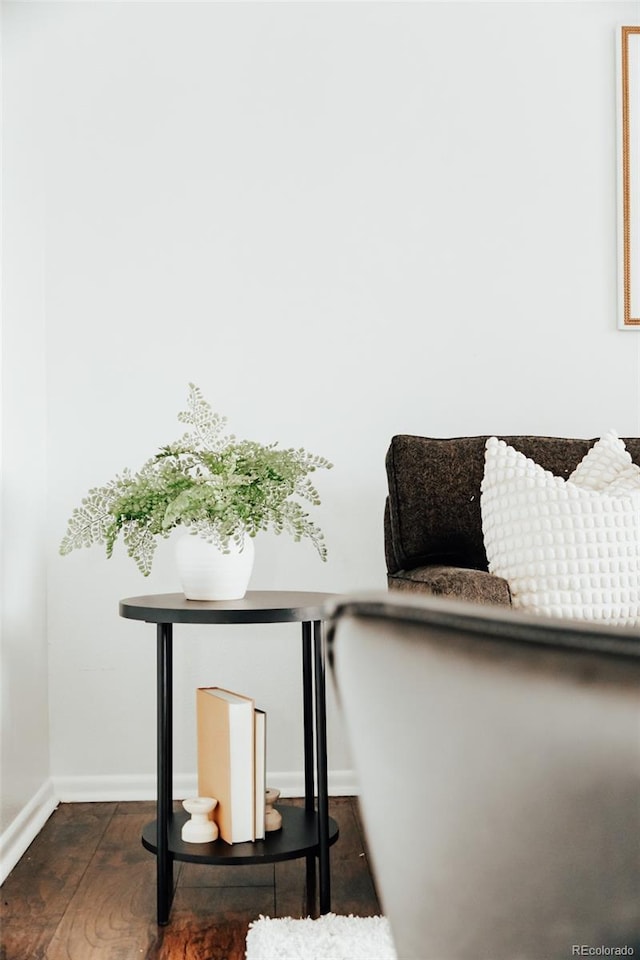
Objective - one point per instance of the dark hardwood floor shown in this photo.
(85, 890)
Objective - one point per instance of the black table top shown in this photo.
(257, 606)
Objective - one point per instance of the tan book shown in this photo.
(226, 760)
(260, 719)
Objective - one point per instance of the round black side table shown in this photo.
(307, 832)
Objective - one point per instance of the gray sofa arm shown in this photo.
(475, 586)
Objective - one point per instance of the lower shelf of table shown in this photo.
(298, 837)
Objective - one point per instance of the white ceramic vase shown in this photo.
(206, 573)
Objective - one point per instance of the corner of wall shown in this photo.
(20, 833)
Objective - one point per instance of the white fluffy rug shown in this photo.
(328, 938)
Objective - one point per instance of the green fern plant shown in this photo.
(207, 481)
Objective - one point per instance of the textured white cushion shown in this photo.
(566, 551)
(607, 466)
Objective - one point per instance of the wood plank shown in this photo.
(211, 924)
(292, 897)
(352, 888)
(38, 890)
(291, 890)
(112, 914)
(207, 875)
(355, 802)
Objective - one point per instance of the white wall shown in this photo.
(26, 795)
(342, 221)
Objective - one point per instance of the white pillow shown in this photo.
(565, 551)
(607, 466)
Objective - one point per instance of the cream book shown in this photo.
(260, 720)
(226, 760)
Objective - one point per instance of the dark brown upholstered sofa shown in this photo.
(432, 522)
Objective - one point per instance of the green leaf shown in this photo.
(209, 482)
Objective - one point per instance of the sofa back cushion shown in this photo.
(433, 508)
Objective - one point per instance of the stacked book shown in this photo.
(232, 762)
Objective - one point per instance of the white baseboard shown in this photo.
(342, 783)
(25, 827)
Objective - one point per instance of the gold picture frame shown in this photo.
(629, 176)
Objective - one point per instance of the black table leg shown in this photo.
(307, 708)
(165, 770)
(321, 747)
(307, 714)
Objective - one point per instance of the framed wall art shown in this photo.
(629, 176)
